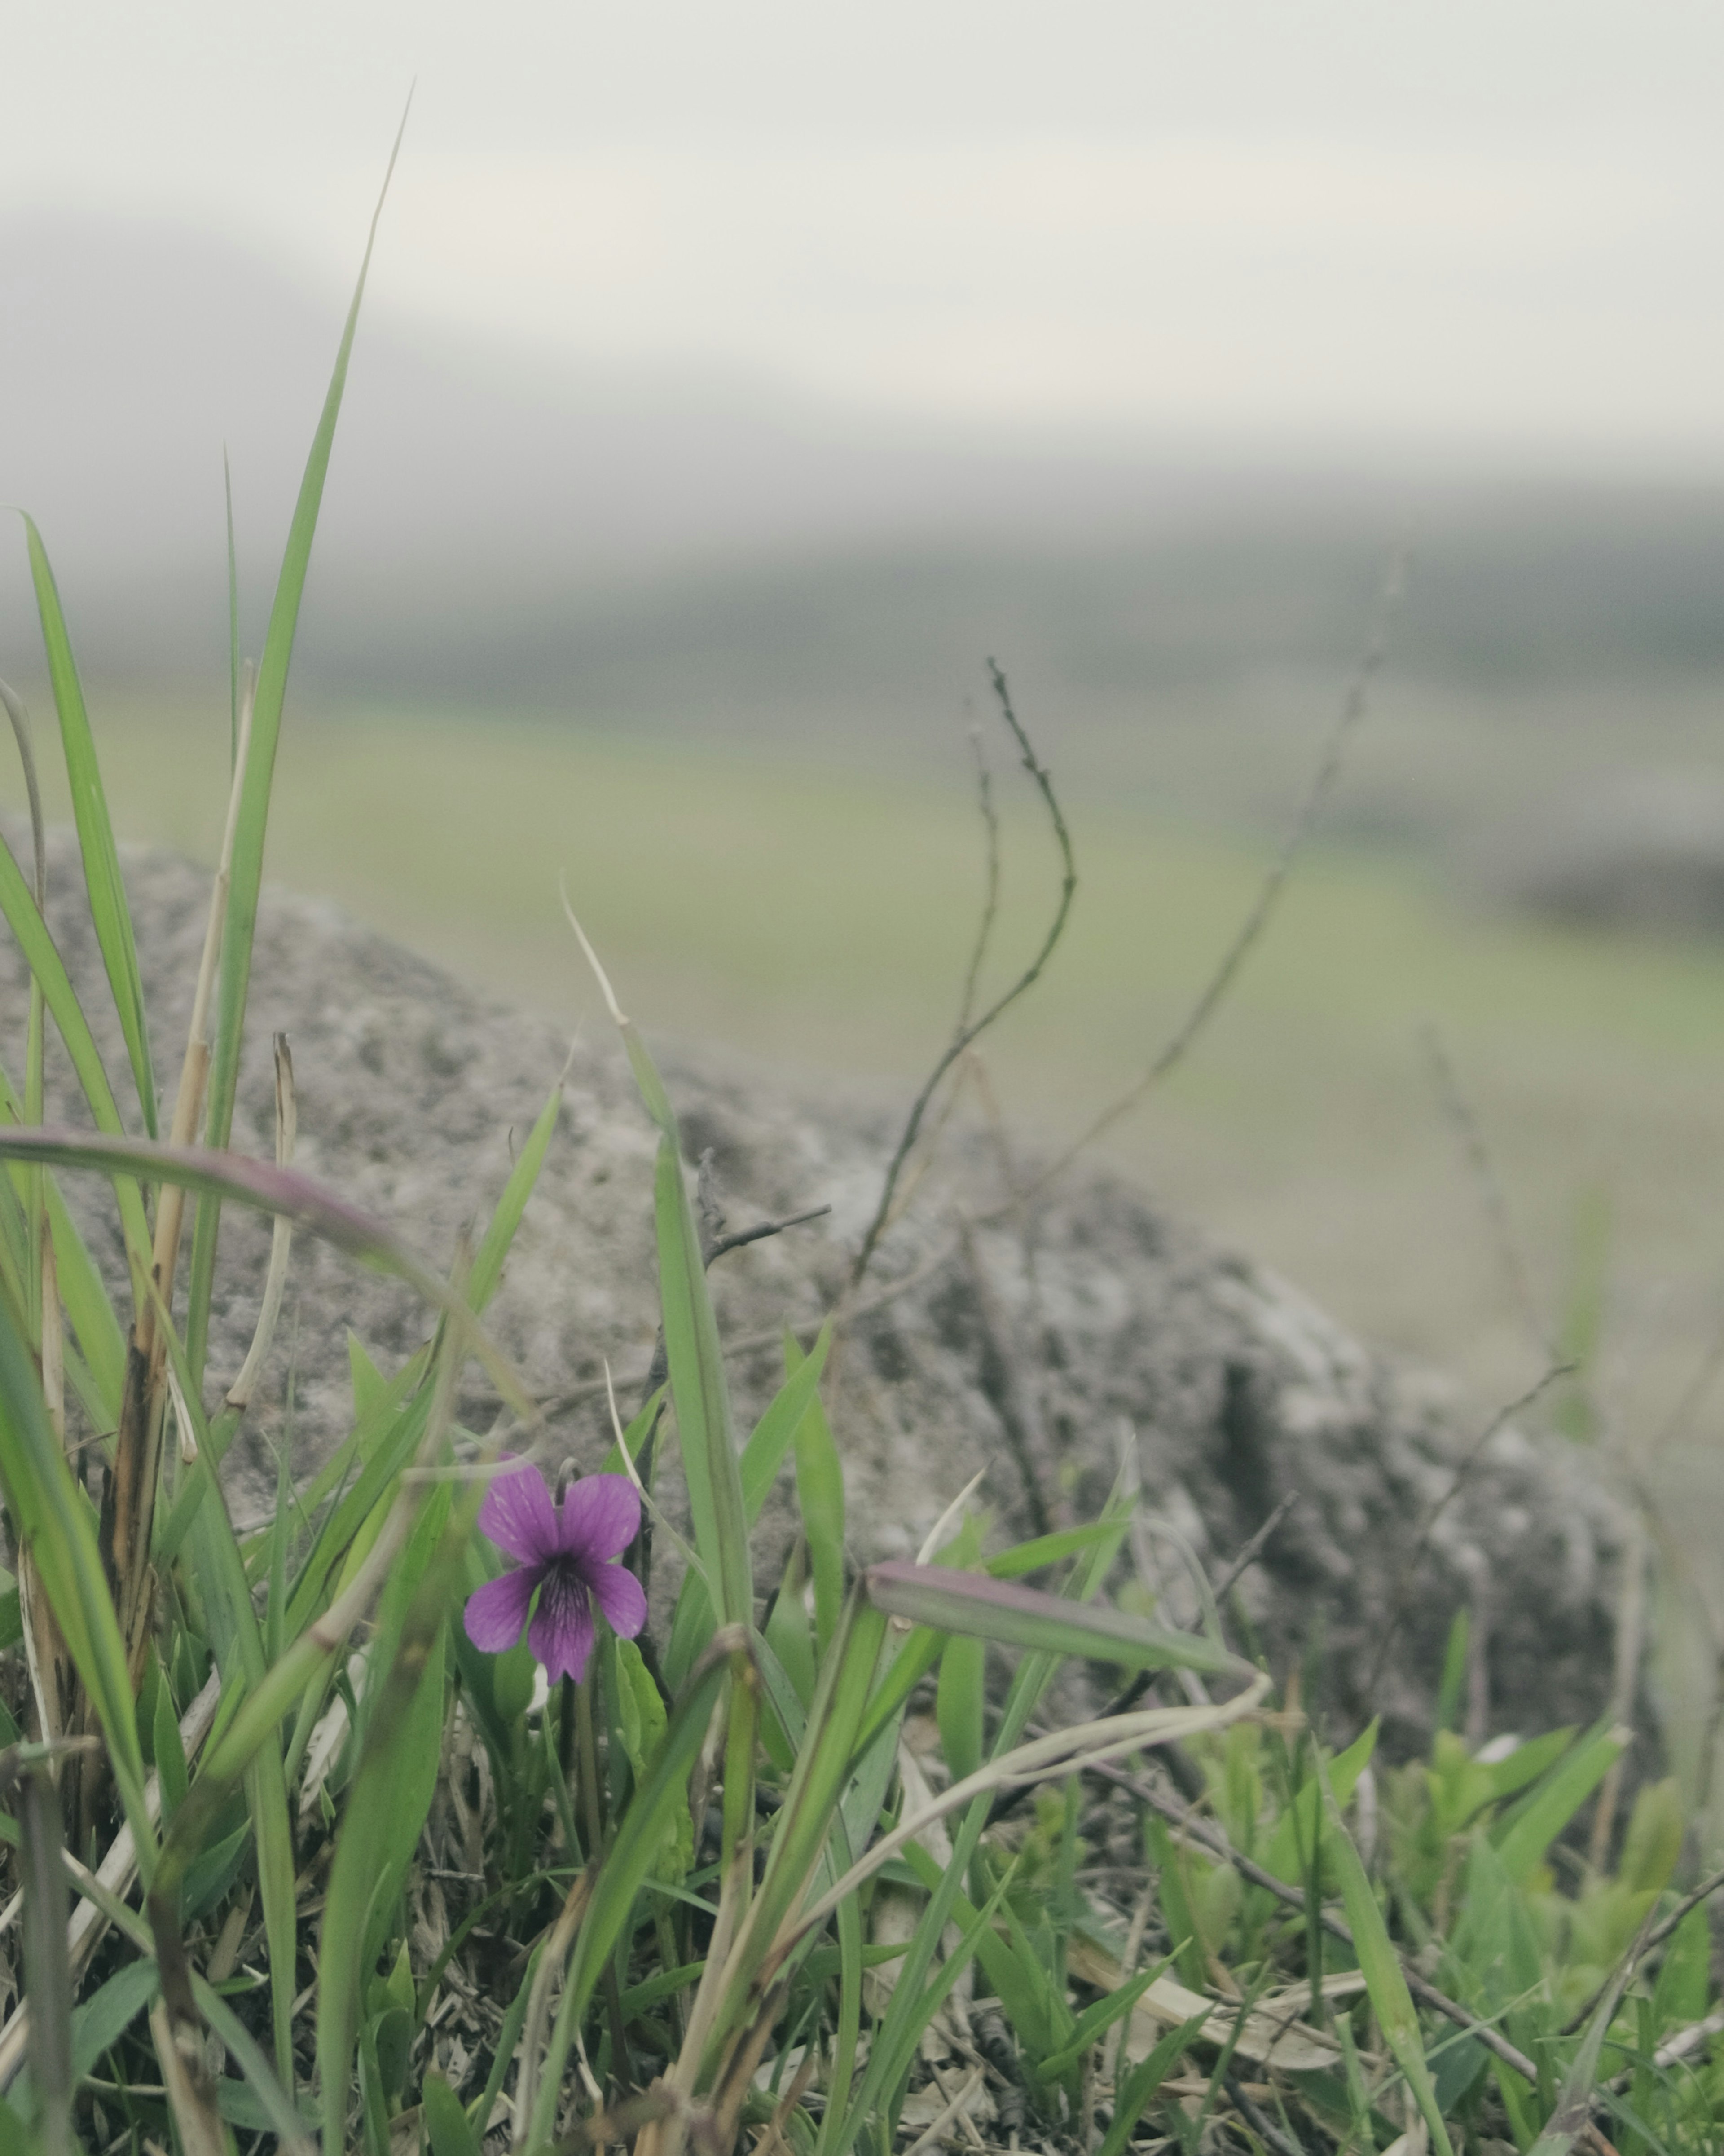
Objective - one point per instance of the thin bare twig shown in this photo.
(1254, 1549)
(970, 1028)
(1269, 892)
(990, 900)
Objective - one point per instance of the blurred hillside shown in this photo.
(708, 559)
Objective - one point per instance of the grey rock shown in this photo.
(1028, 1350)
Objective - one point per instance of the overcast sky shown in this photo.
(1489, 221)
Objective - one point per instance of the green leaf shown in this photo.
(641, 1724)
(1023, 1616)
(961, 1696)
(1523, 1836)
(1391, 2001)
(170, 1752)
(1137, 2092)
(102, 2020)
(448, 2126)
(239, 926)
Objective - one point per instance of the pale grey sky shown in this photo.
(1494, 222)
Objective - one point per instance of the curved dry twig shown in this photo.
(970, 1028)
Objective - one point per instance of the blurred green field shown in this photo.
(822, 921)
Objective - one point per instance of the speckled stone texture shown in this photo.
(1026, 1350)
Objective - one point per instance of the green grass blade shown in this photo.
(1529, 1830)
(628, 1866)
(19, 904)
(1138, 2091)
(239, 927)
(1391, 2001)
(51, 1513)
(391, 1795)
(108, 910)
(990, 1609)
(84, 1293)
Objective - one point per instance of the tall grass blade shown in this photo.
(240, 925)
(629, 1864)
(108, 908)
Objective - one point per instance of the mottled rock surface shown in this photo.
(1028, 1353)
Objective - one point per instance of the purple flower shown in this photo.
(562, 1553)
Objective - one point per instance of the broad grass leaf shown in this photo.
(446, 2121)
(104, 2018)
(641, 1724)
(1524, 1835)
(999, 1609)
(959, 1702)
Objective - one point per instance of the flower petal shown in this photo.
(496, 1614)
(518, 1514)
(601, 1517)
(561, 1634)
(618, 1593)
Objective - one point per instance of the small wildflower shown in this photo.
(562, 1553)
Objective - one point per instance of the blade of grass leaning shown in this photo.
(51, 1514)
(270, 1189)
(1391, 2001)
(1002, 1610)
(109, 913)
(240, 925)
